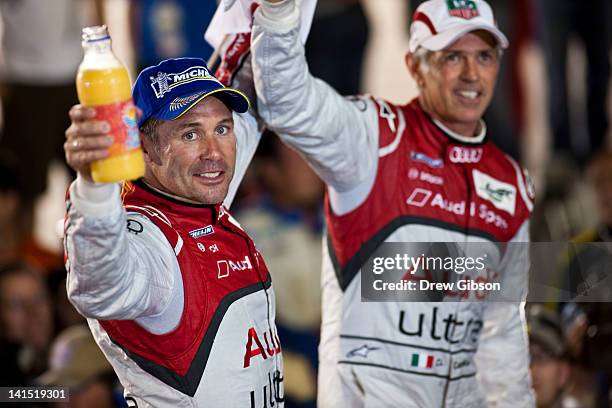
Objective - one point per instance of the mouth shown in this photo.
(469, 97)
(210, 177)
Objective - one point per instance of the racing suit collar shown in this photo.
(168, 195)
(181, 204)
(478, 139)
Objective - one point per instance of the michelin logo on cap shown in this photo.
(164, 82)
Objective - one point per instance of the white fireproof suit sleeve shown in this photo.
(116, 270)
(337, 136)
(502, 358)
(248, 132)
(121, 266)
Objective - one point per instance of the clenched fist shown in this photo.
(87, 140)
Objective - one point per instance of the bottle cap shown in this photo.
(95, 33)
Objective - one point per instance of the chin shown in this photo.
(469, 116)
(209, 197)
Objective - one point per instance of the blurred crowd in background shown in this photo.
(551, 111)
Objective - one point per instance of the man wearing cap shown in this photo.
(549, 364)
(421, 172)
(77, 362)
(176, 294)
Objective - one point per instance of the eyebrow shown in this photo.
(187, 125)
(226, 121)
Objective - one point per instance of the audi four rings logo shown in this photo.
(459, 154)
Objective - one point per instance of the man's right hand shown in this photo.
(87, 140)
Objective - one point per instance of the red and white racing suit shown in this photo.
(176, 294)
(396, 175)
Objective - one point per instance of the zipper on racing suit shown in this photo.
(275, 382)
(468, 212)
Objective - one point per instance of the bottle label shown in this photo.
(124, 125)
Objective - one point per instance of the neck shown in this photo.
(470, 130)
(158, 188)
(465, 130)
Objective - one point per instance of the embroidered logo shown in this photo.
(362, 351)
(462, 8)
(180, 103)
(502, 195)
(202, 232)
(164, 82)
(423, 158)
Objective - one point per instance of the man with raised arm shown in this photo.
(176, 294)
(421, 172)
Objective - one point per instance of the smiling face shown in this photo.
(194, 156)
(457, 84)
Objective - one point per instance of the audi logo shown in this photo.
(465, 155)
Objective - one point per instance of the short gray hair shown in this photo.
(422, 56)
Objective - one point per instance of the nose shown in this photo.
(210, 148)
(470, 71)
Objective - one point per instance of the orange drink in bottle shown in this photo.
(103, 83)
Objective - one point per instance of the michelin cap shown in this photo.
(169, 89)
(436, 24)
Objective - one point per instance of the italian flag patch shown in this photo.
(422, 360)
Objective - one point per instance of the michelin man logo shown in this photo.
(164, 82)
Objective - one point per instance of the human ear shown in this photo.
(150, 151)
(413, 65)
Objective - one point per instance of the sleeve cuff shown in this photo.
(95, 200)
(280, 16)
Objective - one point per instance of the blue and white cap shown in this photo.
(169, 89)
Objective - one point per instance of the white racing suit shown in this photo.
(176, 294)
(395, 175)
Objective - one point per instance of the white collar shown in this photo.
(464, 139)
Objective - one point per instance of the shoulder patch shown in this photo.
(133, 226)
(387, 113)
(392, 126)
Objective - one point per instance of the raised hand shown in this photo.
(87, 140)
